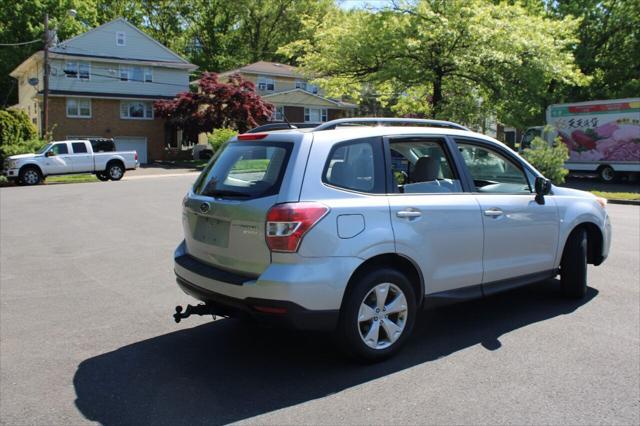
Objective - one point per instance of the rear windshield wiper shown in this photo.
(226, 193)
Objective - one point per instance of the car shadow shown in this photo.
(226, 371)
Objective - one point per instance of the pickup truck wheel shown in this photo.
(573, 267)
(30, 176)
(378, 315)
(102, 176)
(115, 171)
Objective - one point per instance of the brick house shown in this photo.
(294, 97)
(103, 84)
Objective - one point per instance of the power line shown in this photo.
(21, 43)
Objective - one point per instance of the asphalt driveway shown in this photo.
(86, 335)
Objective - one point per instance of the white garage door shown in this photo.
(133, 144)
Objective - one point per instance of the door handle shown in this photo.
(493, 212)
(408, 213)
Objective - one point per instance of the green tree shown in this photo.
(609, 47)
(456, 54)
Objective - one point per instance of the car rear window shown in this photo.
(103, 145)
(245, 170)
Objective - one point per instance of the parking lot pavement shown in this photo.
(86, 336)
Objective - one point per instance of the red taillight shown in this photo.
(288, 223)
(252, 136)
(135, 155)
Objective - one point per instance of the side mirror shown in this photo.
(542, 187)
(50, 154)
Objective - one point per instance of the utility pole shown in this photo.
(45, 77)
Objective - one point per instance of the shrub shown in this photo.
(220, 136)
(549, 160)
(17, 134)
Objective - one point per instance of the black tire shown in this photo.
(102, 176)
(115, 170)
(30, 175)
(573, 267)
(351, 329)
(607, 174)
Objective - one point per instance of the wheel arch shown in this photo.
(32, 166)
(393, 260)
(115, 160)
(595, 241)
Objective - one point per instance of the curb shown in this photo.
(626, 202)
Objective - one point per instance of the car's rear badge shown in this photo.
(205, 207)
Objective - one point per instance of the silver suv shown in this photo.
(356, 225)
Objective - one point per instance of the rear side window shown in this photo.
(356, 165)
(79, 147)
(245, 170)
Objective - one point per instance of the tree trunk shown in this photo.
(436, 100)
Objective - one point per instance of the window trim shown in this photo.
(274, 116)
(77, 70)
(324, 114)
(265, 80)
(128, 69)
(501, 151)
(446, 149)
(66, 108)
(380, 186)
(122, 102)
(120, 34)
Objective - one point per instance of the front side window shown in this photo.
(137, 110)
(315, 115)
(422, 166)
(78, 108)
(493, 172)
(79, 148)
(245, 170)
(356, 165)
(60, 148)
(266, 84)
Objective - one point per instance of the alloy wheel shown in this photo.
(30, 177)
(382, 316)
(115, 172)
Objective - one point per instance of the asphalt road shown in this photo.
(86, 335)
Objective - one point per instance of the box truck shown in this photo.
(603, 137)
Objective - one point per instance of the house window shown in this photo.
(315, 115)
(133, 73)
(312, 88)
(79, 70)
(136, 110)
(121, 38)
(78, 108)
(278, 114)
(266, 84)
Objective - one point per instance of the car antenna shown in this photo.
(287, 121)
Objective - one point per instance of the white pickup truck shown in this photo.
(69, 157)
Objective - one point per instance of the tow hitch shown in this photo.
(201, 309)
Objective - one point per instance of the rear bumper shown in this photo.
(305, 294)
(274, 312)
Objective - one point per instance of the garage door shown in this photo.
(133, 144)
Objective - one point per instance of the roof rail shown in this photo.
(381, 121)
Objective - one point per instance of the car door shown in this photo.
(436, 222)
(82, 158)
(57, 159)
(520, 235)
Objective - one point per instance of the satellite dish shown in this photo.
(33, 81)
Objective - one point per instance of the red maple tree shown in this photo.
(215, 104)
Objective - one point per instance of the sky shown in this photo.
(358, 4)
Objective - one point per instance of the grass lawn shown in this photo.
(617, 195)
(246, 166)
(72, 179)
